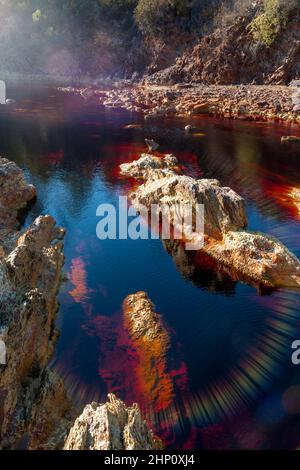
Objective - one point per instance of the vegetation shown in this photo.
(273, 19)
(76, 37)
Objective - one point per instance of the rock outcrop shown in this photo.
(35, 411)
(30, 276)
(111, 426)
(33, 401)
(260, 258)
(242, 102)
(15, 193)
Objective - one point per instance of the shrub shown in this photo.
(273, 19)
(159, 16)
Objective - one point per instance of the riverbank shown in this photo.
(243, 102)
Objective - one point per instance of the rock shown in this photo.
(34, 410)
(152, 145)
(111, 426)
(290, 139)
(15, 193)
(142, 321)
(151, 342)
(224, 210)
(30, 278)
(259, 257)
(201, 108)
(141, 168)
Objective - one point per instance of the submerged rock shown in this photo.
(111, 426)
(151, 342)
(143, 322)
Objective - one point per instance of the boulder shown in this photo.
(141, 168)
(258, 257)
(290, 139)
(15, 193)
(111, 426)
(224, 209)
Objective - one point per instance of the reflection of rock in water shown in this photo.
(199, 268)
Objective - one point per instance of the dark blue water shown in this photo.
(230, 362)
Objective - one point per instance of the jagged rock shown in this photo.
(111, 426)
(290, 139)
(224, 210)
(30, 278)
(142, 321)
(151, 342)
(257, 257)
(141, 168)
(15, 193)
(33, 401)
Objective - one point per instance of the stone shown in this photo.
(259, 257)
(152, 145)
(15, 193)
(290, 139)
(141, 167)
(224, 209)
(111, 426)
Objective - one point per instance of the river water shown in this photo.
(230, 380)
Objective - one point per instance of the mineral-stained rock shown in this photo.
(111, 426)
(15, 193)
(151, 342)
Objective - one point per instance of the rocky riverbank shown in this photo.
(33, 402)
(35, 410)
(242, 102)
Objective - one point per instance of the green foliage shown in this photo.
(274, 18)
(158, 16)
